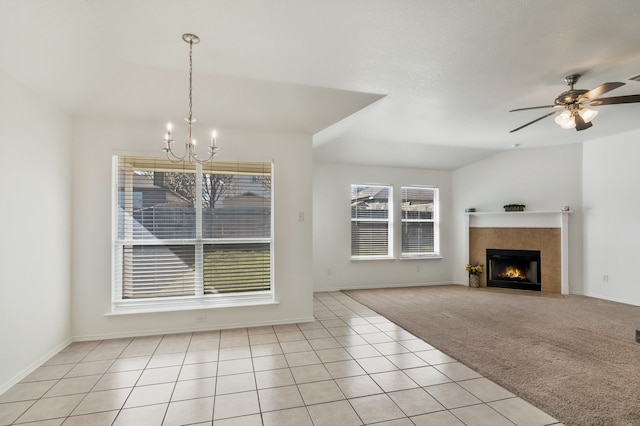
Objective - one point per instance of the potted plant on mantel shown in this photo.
(514, 207)
(474, 268)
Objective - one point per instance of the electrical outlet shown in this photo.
(328, 271)
(605, 278)
(418, 268)
(201, 319)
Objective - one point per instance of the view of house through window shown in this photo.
(190, 231)
(419, 221)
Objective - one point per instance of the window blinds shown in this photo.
(419, 209)
(370, 220)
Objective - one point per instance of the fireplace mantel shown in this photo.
(526, 219)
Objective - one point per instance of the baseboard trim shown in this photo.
(34, 365)
(601, 297)
(367, 287)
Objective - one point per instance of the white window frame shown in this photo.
(389, 220)
(404, 221)
(199, 300)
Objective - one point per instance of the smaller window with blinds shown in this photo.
(371, 221)
(420, 236)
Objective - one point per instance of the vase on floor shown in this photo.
(474, 280)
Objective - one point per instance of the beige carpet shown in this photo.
(574, 357)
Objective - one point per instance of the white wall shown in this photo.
(333, 268)
(96, 140)
(35, 176)
(544, 179)
(611, 176)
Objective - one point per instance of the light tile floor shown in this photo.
(349, 367)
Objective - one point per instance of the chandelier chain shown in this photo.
(190, 86)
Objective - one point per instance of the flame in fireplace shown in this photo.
(512, 272)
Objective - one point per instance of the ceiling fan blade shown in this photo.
(580, 123)
(601, 90)
(534, 121)
(629, 99)
(536, 107)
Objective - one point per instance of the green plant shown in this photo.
(514, 207)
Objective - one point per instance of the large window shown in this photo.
(419, 220)
(371, 221)
(190, 234)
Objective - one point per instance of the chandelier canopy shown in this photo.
(190, 150)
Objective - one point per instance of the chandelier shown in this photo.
(190, 151)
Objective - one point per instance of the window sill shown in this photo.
(145, 307)
(421, 256)
(359, 258)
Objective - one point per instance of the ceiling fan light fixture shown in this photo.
(565, 120)
(587, 114)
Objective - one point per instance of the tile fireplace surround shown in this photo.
(544, 231)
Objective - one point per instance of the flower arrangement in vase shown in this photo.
(474, 268)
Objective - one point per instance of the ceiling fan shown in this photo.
(572, 104)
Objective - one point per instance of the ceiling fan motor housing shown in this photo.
(570, 97)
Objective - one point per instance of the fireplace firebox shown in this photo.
(518, 269)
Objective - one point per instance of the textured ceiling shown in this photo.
(402, 83)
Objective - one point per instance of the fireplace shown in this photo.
(519, 269)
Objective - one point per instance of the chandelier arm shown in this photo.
(171, 156)
(212, 153)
